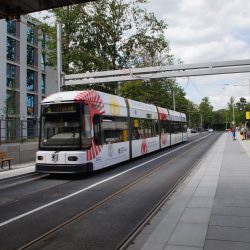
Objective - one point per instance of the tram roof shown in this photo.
(15, 8)
(90, 95)
(70, 96)
(176, 116)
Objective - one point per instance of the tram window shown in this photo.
(176, 127)
(164, 127)
(156, 127)
(97, 130)
(86, 130)
(184, 127)
(115, 129)
(144, 128)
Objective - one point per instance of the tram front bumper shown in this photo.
(64, 168)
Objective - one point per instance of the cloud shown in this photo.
(201, 30)
(208, 31)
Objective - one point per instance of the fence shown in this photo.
(15, 130)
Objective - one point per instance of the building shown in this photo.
(24, 77)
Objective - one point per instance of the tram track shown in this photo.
(21, 179)
(127, 239)
(33, 180)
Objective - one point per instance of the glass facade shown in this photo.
(11, 28)
(43, 84)
(11, 76)
(35, 67)
(43, 61)
(11, 49)
(30, 55)
(31, 33)
(30, 80)
(43, 41)
(30, 104)
(11, 102)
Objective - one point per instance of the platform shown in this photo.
(211, 209)
(17, 170)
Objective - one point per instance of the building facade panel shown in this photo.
(3, 35)
(24, 77)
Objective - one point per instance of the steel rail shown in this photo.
(20, 179)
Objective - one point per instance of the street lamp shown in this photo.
(201, 122)
(227, 84)
(173, 100)
(233, 115)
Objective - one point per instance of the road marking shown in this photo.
(93, 185)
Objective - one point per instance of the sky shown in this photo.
(208, 31)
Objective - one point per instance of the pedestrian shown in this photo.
(242, 133)
(245, 132)
(233, 132)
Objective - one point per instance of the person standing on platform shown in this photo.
(242, 133)
(233, 132)
(245, 132)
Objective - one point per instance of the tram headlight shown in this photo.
(72, 158)
(39, 158)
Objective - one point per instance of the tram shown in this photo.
(82, 131)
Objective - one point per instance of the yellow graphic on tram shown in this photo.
(114, 106)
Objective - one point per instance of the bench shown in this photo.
(4, 158)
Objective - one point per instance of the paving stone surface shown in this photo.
(238, 234)
(211, 210)
(225, 245)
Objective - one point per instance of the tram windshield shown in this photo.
(65, 126)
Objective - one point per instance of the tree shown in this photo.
(206, 110)
(241, 108)
(193, 114)
(106, 35)
(158, 92)
(109, 34)
(220, 120)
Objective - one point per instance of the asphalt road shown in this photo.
(93, 211)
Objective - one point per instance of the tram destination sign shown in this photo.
(60, 108)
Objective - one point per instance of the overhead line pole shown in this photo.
(173, 100)
(59, 57)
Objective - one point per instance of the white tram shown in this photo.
(83, 131)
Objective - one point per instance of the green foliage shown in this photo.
(206, 110)
(108, 34)
(193, 115)
(223, 118)
(220, 120)
(241, 108)
(158, 92)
